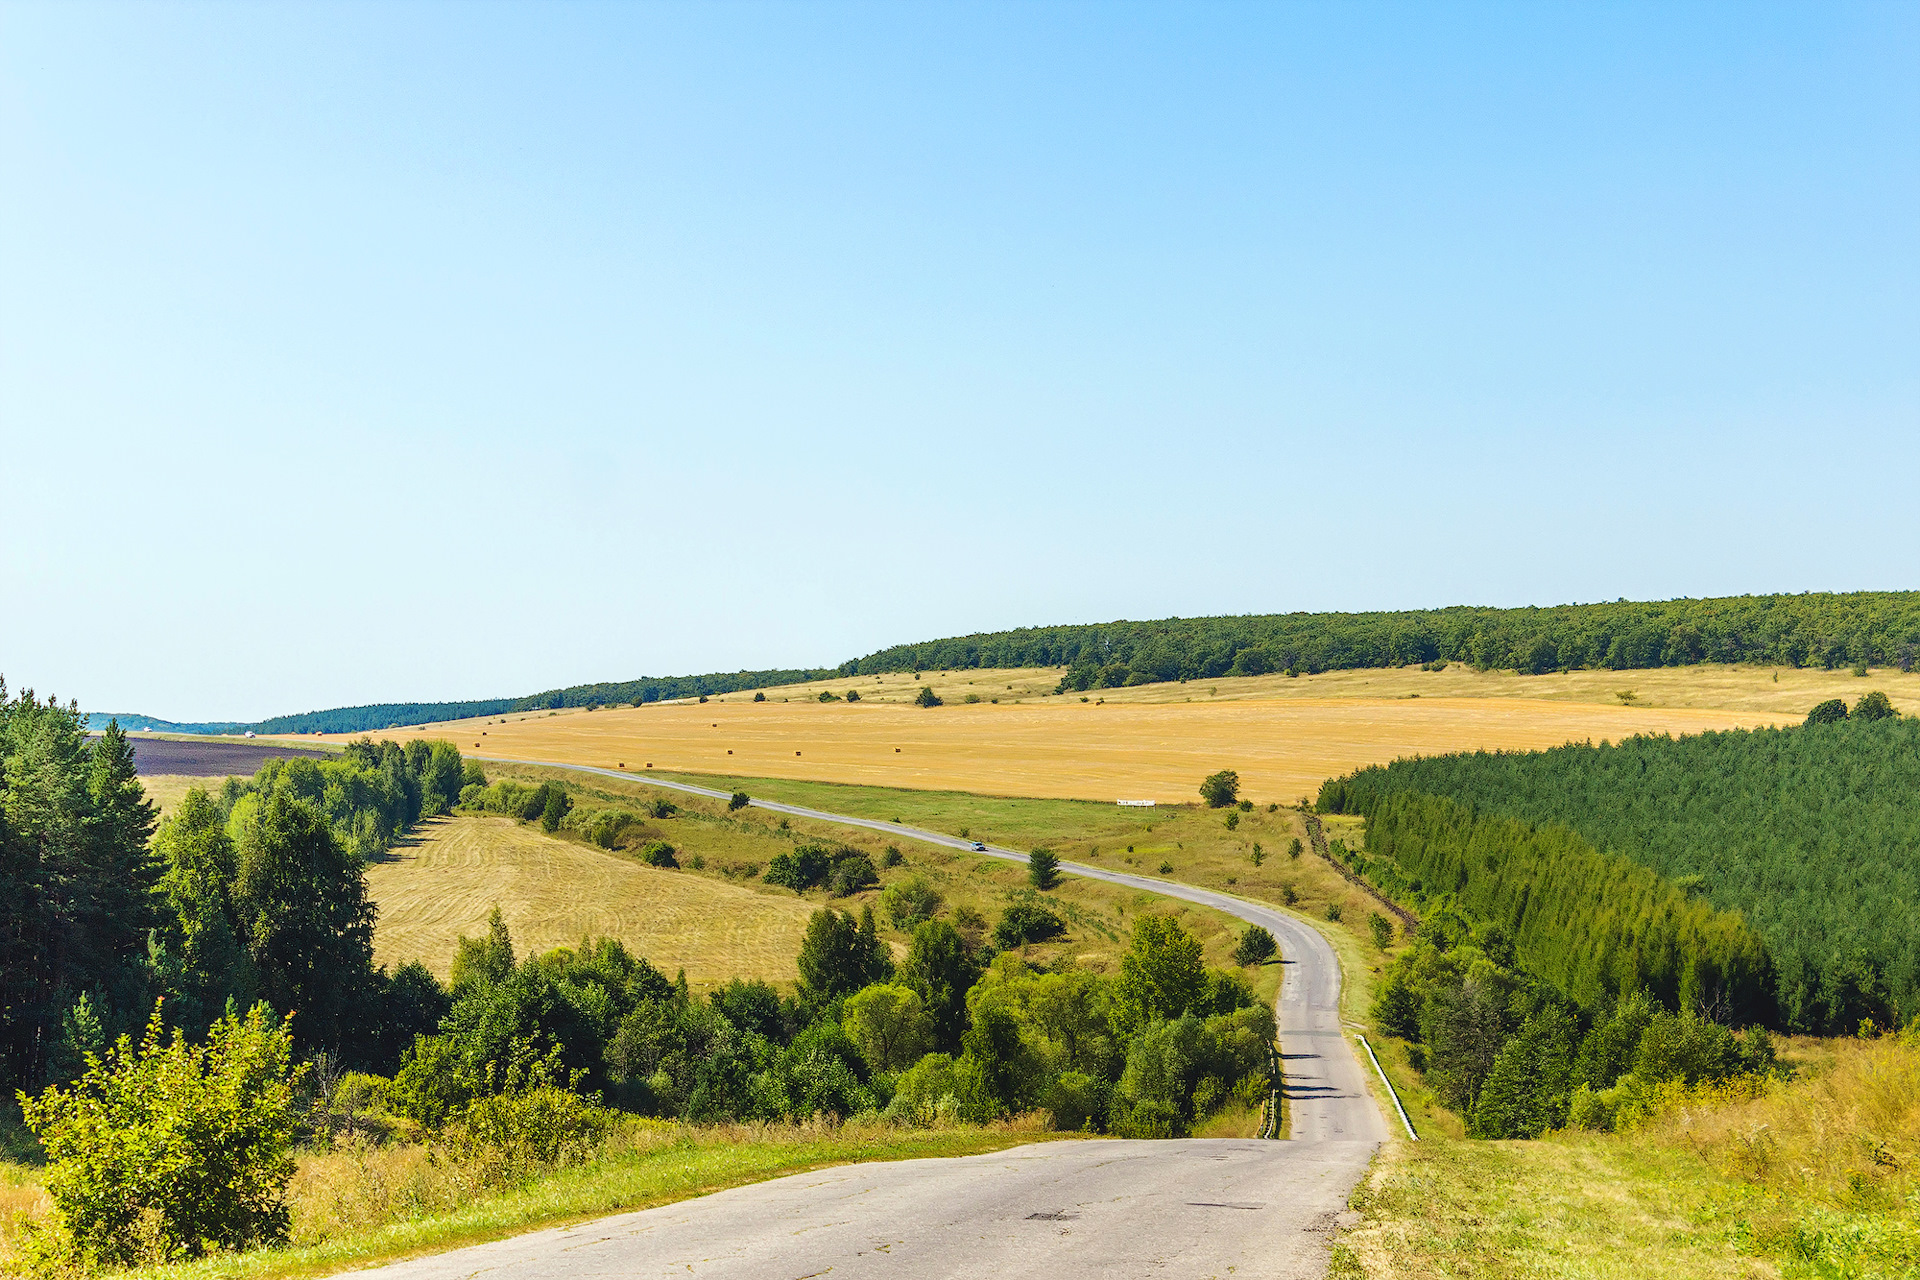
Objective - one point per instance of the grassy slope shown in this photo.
(1814, 1178)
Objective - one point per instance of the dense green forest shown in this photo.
(1808, 832)
(1824, 629)
(254, 894)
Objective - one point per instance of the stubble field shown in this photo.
(1283, 747)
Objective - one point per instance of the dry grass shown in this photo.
(1127, 748)
(552, 892)
(1812, 1176)
(361, 1205)
(168, 789)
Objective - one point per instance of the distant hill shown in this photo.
(1814, 629)
(1820, 629)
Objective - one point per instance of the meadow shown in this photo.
(1284, 736)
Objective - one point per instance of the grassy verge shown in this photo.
(358, 1208)
(1814, 1176)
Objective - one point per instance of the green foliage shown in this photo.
(1530, 1085)
(1043, 869)
(1024, 922)
(658, 853)
(941, 968)
(1796, 840)
(1256, 946)
(852, 872)
(1233, 820)
(908, 902)
(1161, 974)
(1381, 928)
(807, 867)
(170, 1149)
(1220, 789)
(839, 956)
(300, 900)
(927, 698)
(484, 962)
(738, 800)
(890, 1024)
(1873, 706)
(1831, 711)
(892, 857)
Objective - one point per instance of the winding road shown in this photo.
(1184, 1208)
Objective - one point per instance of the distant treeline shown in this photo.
(1858, 629)
(1807, 832)
(1823, 630)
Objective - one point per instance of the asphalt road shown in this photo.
(1187, 1208)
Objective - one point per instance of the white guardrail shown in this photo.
(1391, 1092)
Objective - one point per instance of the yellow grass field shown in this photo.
(551, 892)
(1282, 748)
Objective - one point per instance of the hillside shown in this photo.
(1822, 630)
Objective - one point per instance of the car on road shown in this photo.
(977, 847)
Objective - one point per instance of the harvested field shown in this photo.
(209, 758)
(1282, 748)
(168, 789)
(552, 892)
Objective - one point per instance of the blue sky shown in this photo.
(354, 353)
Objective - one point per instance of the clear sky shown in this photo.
(355, 353)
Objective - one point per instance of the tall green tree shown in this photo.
(941, 968)
(1161, 975)
(839, 956)
(306, 922)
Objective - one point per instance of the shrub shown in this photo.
(1256, 946)
(1246, 806)
(738, 800)
(759, 696)
(850, 875)
(892, 857)
(853, 695)
(827, 695)
(1233, 819)
(1024, 922)
(1294, 847)
(1333, 912)
(924, 1093)
(910, 901)
(529, 1129)
(1043, 869)
(807, 867)
(171, 1149)
(558, 802)
(1075, 1099)
(1289, 894)
(1828, 712)
(658, 853)
(661, 808)
(1381, 928)
(1873, 706)
(1220, 789)
(927, 698)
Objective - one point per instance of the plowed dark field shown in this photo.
(209, 759)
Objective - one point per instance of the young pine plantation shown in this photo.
(1627, 952)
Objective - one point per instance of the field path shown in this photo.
(1189, 1208)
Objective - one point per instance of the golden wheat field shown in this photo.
(1063, 747)
(442, 884)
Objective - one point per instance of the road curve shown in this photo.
(1189, 1208)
